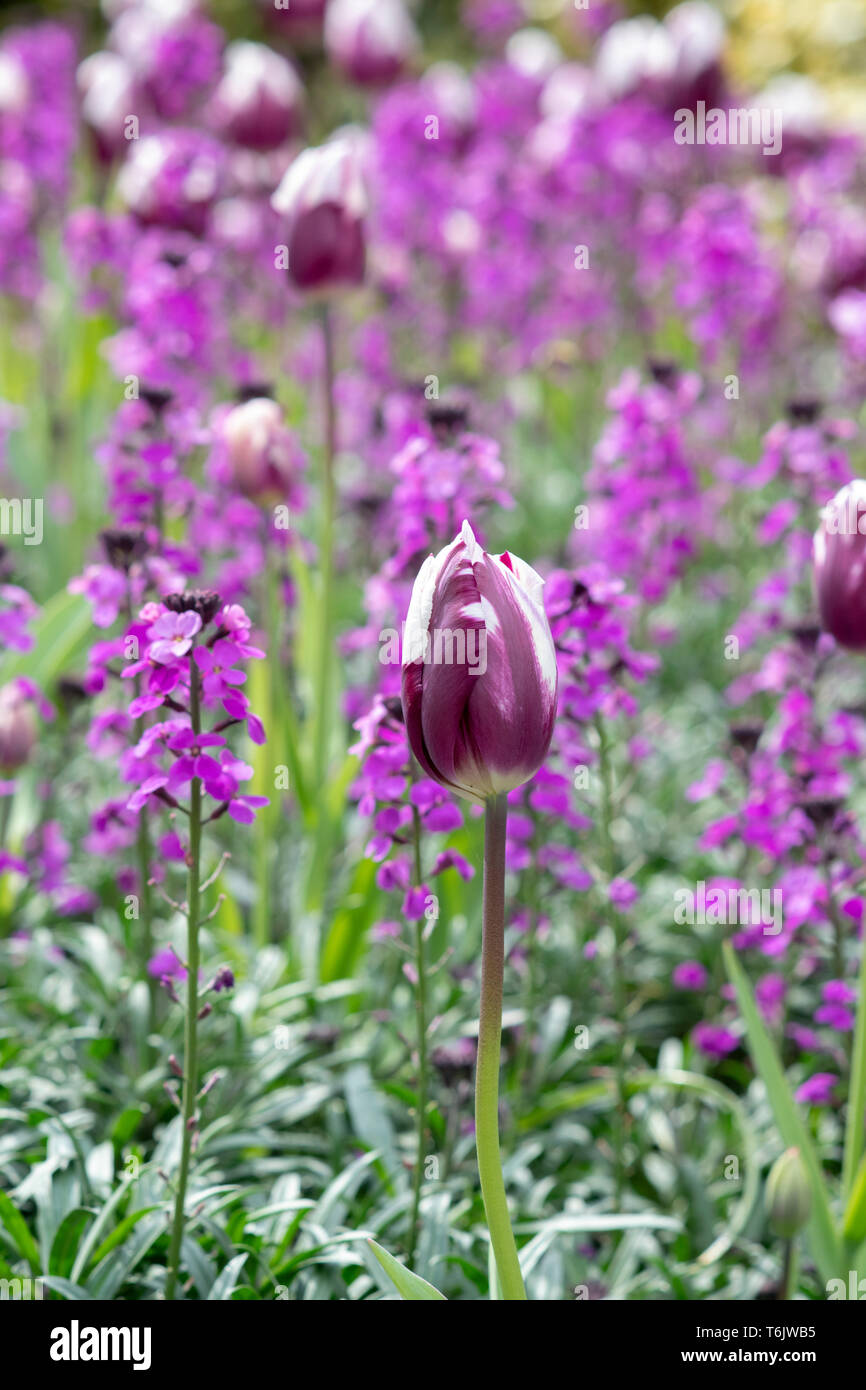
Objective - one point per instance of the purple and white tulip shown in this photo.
(369, 40)
(323, 200)
(481, 725)
(840, 566)
(259, 101)
(172, 179)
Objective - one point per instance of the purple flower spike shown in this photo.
(479, 670)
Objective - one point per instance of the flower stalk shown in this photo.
(421, 1033)
(329, 502)
(190, 1031)
(489, 1040)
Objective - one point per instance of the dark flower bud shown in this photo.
(821, 810)
(123, 547)
(806, 634)
(205, 602)
(803, 410)
(254, 391)
(71, 692)
(156, 397)
(448, 417)
(394, 706)
(746, 734)
(664, 372)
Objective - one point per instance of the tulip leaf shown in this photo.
(409, 1286)
(822, 1232)
(854, 1224)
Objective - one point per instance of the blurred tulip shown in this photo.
(840, 566)
(172, 179)
(324, 201)
(258, 102)
(17, 728)
(371, 41)
(480, 724)
(109, 96)
(263, 454)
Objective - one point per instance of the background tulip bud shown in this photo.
(109, 95)
(479, 670)
(788, 1195)
(17, 728)
(172, 179)
(369, 40)
(258, 102)
(263, 454)
(324, 201)
(840, 566)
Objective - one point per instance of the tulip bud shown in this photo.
(263, 454)
(17, 728)
(324, 201)
(788, 1195)
(258, 102)
(369, 40)
(839, 553)
(479, 670)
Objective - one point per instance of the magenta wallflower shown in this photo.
(171, 636)
(715, 1041)
(478, 731)
(690, 974)
(818, 1090)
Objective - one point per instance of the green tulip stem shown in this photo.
(487, 1069)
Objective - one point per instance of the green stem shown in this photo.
(487, 1069)
(788, 1282)
(326, 559)
(619, 992)
(857, 1092)
(190, 1029)
(421, 1032)
(143, 850)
